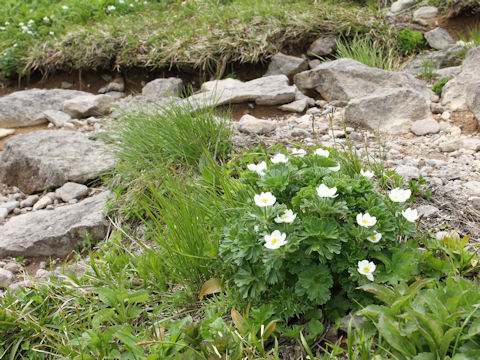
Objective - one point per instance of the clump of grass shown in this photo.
(438, 87)
(369, 51)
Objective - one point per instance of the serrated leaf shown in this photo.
(211, 286)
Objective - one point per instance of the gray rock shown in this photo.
(461, 143)
(472, 188)
(3, 213)
(345, 79)
(14, 268)
(161, 88)
(44, 201)
(436, 108)
(267, 90)
(117, 85)
(473, 98)
(424, 127)
(298, 106)
(407, 171)
(448, 72)
(29, 201)
(56, 232)
(438, 38)
(454, 92)
(220, 84)
(425, 12)
(10, 205)
(6, 278)
(21, 284)
(43, 274)
(66, 85)
(88, 105)
(22, 108)
(323, 46)
(251, 125)
(50, 158)
(427, 210)
(312, 64)
(6, 132)
(282, 64)
(57, 118)
(402, 5)
(434, 61)
(388, 110)
(71, 191)
(475, 202)
(115, 95)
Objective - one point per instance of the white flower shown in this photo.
(366, 220)
(258, 168)
(7, 23)
(322, 152)
(21, 24)
(46, 19)
(298, 152)
(2, 27)
(326, 192)
(131, 5)
(275, 240)
(51, 33)
(441, 235)
(410, 215)
(334, 168)
(65, 7)
(287, 217)
(31, 22)
(279, 158)
(375, 238)
(121, 1)
(264, 199)
(399, 195)
(110, 8)
(366, 268)
(367, 174)
(256, 228)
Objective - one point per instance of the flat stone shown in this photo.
(50, 158)
(44, 201)
(323, 46)
(163, 88)
(346, 79)
(6, 132)
(220, 84)
(298, 106)
(407, 171)
(56, 232)
(6, 278)
(439, 38)
(473, 98)
(425, 12)
(11, 205)
(29, 201)
(57, 118)
(287, 65)
(438, 61)
(388, 110)
(71, 191)
(472, 188)
(424, 127)
(427, 210)
(401, 5)
(3, 213)
(460, 143)
(251, 125)
(22, 108)
(88, 105)
(267, 90)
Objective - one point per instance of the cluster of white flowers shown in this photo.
(258, 168)
(111, 8)
(399, 195)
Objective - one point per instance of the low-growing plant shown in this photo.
(307, 234)
(410, 41)
(438, 86)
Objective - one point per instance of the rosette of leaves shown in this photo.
(324, 243)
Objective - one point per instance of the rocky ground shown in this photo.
(297, 101)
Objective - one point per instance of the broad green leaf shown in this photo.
(391, 334)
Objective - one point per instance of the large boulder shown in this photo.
(454, 94)
(473, 99)
(50, 158)
(388, 110)
(267, 90)
(434, 60)
(346, 79)
(439, 38)
(26, 107)
(161, 88)
(88, 105)
(282, 64)
(54, 232)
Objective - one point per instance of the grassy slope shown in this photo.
(194, 33)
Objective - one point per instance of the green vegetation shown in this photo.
(438, 87)
(202, 34)
(370, 51)
(410, 42)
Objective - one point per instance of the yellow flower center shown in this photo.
(275, 240)
(264, 200)
(365, 221)
(366, 269)
(284, 217)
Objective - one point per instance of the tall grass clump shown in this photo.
(369, 51)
